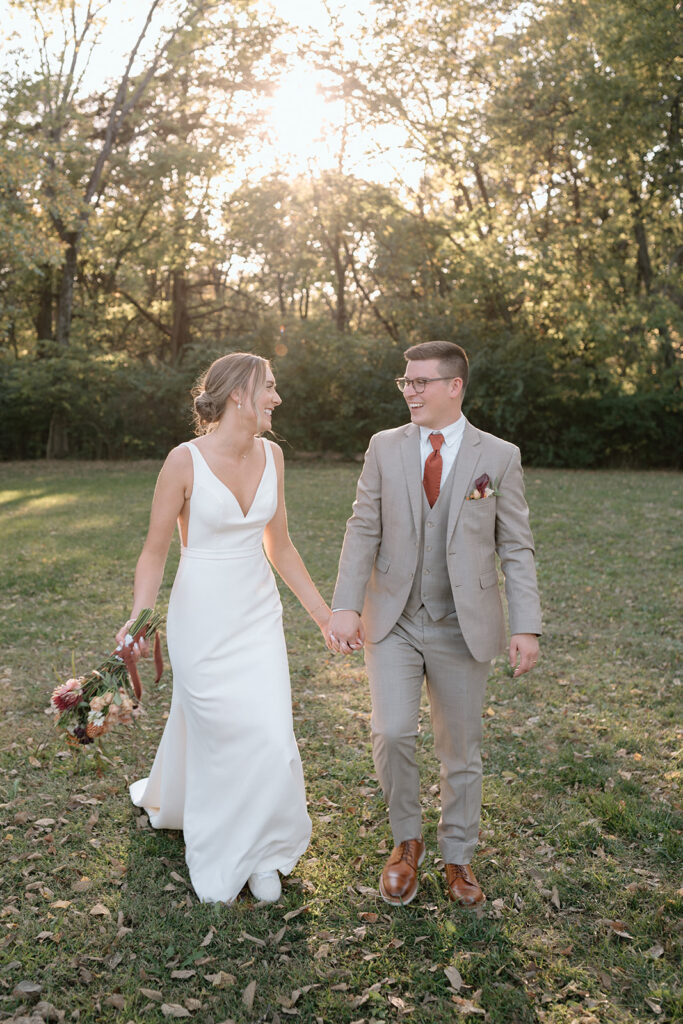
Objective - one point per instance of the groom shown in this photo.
(437, 500)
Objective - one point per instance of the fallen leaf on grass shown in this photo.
(619, 928)
(60, 904)
(654, 951)
(41, 936)
(99, 910)
(467, 1006)
(82, 885)
(193, 1004)
(174, 1010)
(248, 995)
(115, 1000)
(220, 980)
(295, 913)
(27, 989)
(454, 977)
(207, 938)
(44, 822)
(183, 975)
(152, 994)
(369, 916)
(289, 1001)
(555, 897)
(323, 951)
(655, 1007)
(397, 1002)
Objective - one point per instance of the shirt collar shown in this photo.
(452, 433)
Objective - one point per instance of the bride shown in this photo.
(227, 771)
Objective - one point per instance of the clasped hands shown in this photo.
(344, 632)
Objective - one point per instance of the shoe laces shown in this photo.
(410, 851)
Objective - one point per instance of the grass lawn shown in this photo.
(581, 841)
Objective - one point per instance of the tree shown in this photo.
(77, 138)
(551, 140)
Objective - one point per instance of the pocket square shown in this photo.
(482, 488)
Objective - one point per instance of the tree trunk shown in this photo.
(43, 319)
(66, 291)
(58, 437)
(180, 331)
(341, 317)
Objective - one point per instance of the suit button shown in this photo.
(427, 572)
(430, 524)
(428, 548)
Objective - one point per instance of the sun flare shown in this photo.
(303, 126)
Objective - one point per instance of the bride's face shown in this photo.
(265, 401)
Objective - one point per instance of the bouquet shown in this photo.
(87, 707)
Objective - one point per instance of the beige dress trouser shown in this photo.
(419, 649)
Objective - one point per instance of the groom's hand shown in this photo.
(345, 632)
(523, 652)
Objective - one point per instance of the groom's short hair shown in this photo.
(452, 359)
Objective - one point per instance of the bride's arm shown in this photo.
(173, 489)
(285, 557)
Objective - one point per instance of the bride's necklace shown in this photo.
(241, 456)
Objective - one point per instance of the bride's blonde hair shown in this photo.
(238, 371)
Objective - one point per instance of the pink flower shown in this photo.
(68, 695)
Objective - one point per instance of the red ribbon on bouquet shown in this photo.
(129, 660)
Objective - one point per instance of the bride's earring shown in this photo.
(239, 405)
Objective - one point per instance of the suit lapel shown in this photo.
(410, 457)
(465, 463)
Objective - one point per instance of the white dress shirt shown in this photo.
(452, 439)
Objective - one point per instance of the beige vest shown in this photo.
(431, 584)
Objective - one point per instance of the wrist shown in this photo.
(320, 613)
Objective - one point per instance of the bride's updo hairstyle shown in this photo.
(238, 371)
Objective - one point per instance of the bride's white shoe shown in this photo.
(265, 886)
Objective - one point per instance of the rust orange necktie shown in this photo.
(433, 467)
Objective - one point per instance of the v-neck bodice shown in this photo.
(218, 527)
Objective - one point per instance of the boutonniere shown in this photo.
(483, 488)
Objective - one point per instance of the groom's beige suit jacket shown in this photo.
(383, 536)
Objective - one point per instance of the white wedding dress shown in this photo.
(228, 771)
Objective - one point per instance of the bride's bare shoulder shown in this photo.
(178, 462)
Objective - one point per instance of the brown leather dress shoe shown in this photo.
(398, 881)
(463, 887)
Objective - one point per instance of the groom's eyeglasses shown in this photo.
(418, 384)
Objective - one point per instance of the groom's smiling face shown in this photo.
(439, 404)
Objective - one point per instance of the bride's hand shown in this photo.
(139, 649)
